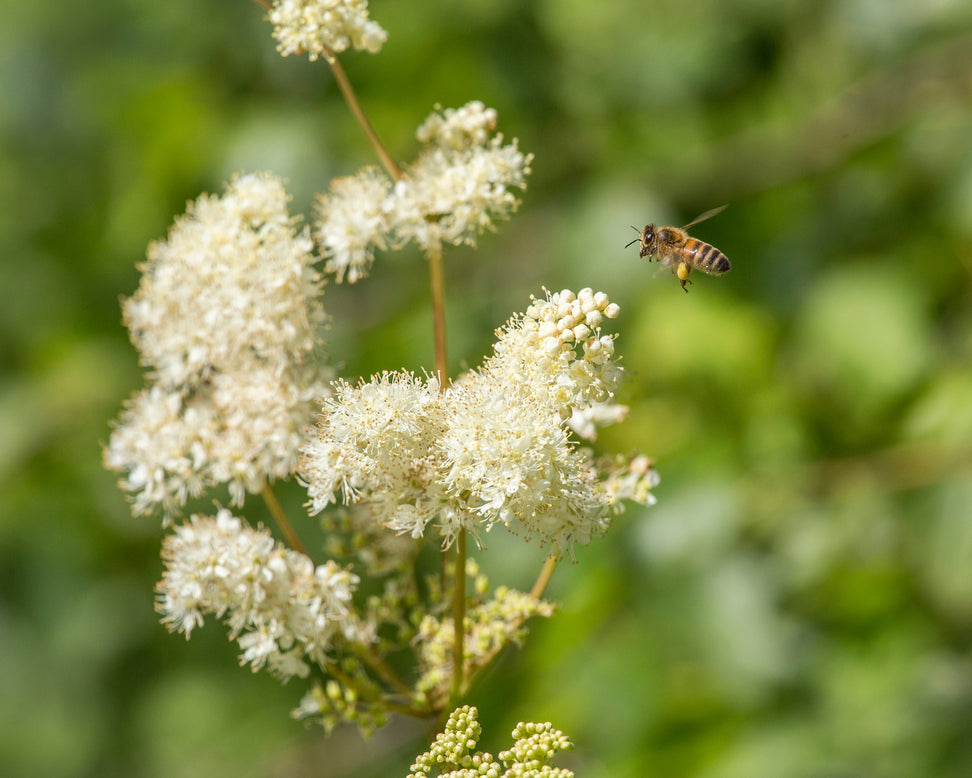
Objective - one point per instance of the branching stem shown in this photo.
(376, 662)
(535, 593)
(437, 282)
(367, 693)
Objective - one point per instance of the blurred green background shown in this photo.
(799, 603)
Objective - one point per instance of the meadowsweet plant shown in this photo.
(228, 322)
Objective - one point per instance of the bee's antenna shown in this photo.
(636, 239)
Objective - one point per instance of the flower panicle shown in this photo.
(227, 319)
(284, 612)
(557, 344)
(232, 285)
(458, 128)
(322, 28)
(461, 184)
(495, 447)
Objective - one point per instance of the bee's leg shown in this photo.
(683, 274)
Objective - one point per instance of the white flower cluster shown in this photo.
(631, 479)
(320, 28)
(226, 319)
(460, 184)
(354, 218)
(283, 611)
(458, 128)
(586, 421)
(233, 282)
(494, 447)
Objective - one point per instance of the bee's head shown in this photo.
(648, 239)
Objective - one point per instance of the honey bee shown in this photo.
(677, 250)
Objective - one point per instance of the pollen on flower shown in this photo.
(282, 610)
(319, 27)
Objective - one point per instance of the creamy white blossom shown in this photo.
(494, 447)
(240, 429)
(507, 446)
(449, 196)
(233, 283)
(282, 610)
(458, 128)
(226, 317)
(353, 221)
(157, 445)
(462, 182)
(631, 479)
(376, 440)
(319, 28)
(586, 421)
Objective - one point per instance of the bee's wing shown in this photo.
(707, 215)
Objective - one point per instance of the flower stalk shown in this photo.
(437, 278)
(279, 516)
(352, 100)
(543, 579)
(458, 620)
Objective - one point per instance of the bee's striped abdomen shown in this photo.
(705, 257)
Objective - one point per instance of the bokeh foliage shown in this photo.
(800, 601)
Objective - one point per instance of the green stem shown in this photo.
(437, 279)
(541, 583)
(349, 96)
(377, 662)
(346, 89)
(544, 578)
(281, 518)
(371, 695)
(459, 618)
